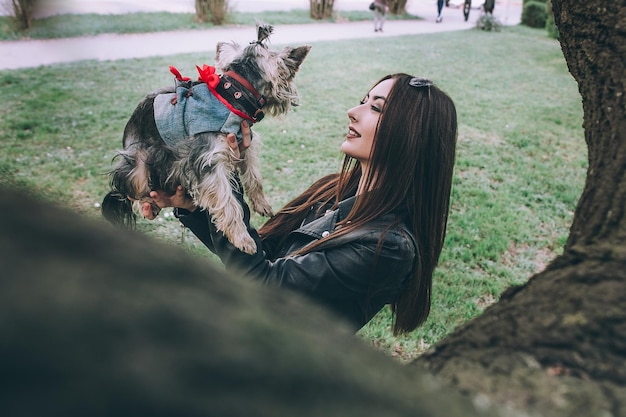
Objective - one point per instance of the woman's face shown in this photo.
(363, 121)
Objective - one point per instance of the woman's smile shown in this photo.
(353, 133)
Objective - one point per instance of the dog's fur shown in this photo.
(203, 164)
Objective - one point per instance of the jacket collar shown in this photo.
(319, 227)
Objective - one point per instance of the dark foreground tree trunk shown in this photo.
(557, 345)
(97, 322)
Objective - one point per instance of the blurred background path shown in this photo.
(33, 53)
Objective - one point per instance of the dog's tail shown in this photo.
(118, 210)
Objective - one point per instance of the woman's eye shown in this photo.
(373, 107)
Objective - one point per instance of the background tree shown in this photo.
(557, 345)
(321, 9)
(214, 11)
(397, 6)
(23, 11)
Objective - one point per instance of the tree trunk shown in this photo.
(397, 6)
(211, 10)
(593, 39)
(557, 345)
(23, 13)
(202, 11)
(321, 9)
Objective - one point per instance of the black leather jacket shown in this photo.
(354, 275)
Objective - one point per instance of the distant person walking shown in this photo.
(380, 11)
(439, 10)
(489, 5)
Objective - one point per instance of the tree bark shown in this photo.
(211, 10)
(593, 39)
(557, 345)
(321, 9)
(554, 346)
(397, 6)
(23, 13)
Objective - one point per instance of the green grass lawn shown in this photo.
(520, 167)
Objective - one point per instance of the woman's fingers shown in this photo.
(161, 200)
(237, 148)
(147, 211)
(247, 135)
(179, 199)
(234, 146)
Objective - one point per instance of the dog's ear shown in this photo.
(225, 53)
(295, 56)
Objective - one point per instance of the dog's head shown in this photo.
(270, 72)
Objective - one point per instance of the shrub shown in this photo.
(534, 14)
(487, 22)
(553, 31)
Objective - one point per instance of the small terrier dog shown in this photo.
(177, 136)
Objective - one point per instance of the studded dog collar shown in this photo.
(234, 91)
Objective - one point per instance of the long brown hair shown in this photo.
(411, 165)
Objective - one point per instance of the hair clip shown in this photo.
(419, 82)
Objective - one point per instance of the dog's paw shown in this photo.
(262, 207)
(245, 244)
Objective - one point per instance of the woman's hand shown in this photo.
(238, 149)
(162, 200)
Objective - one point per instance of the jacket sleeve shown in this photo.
(355, 267)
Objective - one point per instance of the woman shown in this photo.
(370, 235)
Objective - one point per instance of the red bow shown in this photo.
(176, 73)
(208, 75)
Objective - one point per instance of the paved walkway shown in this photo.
(34, 53)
